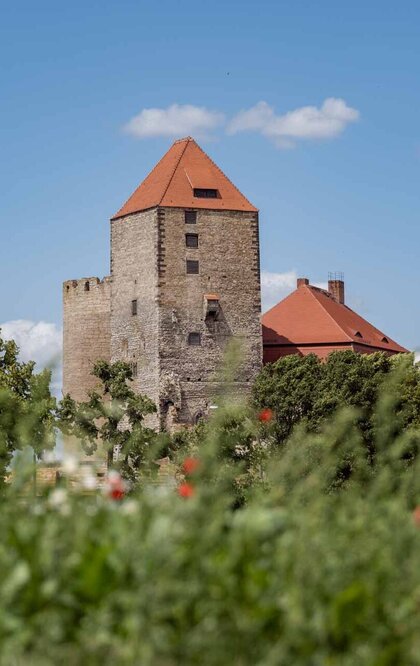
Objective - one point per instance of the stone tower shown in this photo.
(185, 280)
(86, 332)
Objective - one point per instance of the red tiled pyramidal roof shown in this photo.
(171, 183)
(310, 315)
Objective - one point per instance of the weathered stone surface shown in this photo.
(134, 270)
(228, 255)
(86, 332)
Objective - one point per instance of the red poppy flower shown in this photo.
(115, 486)
(186, 490)
(416, 516)
(117, 494)
(190, 465)
(265, 415)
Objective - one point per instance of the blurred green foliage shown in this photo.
(320, 565)
(306, 553)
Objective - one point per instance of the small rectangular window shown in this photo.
(134, 307)
(190, 217)
(205, 193)
(192, 267)
(191, 240)
(194, 339)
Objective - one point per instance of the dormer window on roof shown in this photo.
(206, 193)
(358, 335)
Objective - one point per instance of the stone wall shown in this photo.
(228, 255)
(134, 271)
(86, 332)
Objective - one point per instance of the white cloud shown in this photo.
(306, 122)
(38, 341)
(275, 286)
(175, 121)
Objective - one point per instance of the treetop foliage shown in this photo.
(112, 416)
(27, 408)
(305, 390)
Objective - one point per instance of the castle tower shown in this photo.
(86, 339)
(185, 280)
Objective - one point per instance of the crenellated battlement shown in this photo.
(85, 286)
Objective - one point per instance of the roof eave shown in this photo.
(119, 215)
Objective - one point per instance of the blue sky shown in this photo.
(342, 197)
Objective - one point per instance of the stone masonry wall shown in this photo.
(134, 271)
(228, 255)
(86, 332)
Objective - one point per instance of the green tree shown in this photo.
(113, 415)
(305, 390)
(27, 408)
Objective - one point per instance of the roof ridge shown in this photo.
(223, 173)
(277, 304)
(369, 343)
(187, 141)
(375, 329)
(310, 288)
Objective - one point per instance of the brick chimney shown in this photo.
(302, 281)
(336, 286)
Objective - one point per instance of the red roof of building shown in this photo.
(171, 183)
(310, 315)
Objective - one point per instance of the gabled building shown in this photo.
(185, 279)
(316, 321)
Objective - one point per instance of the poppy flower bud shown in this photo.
(266, 415)
(186, 490)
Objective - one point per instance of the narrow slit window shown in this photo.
(205, 193)
(194, 339)
(87, 285)
(192, 267)
(134, 369)
(191, 240)
(134, 306)
(190, 217)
